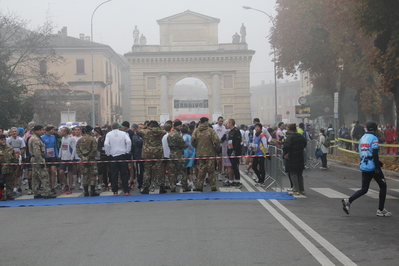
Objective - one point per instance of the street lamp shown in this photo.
(92, 67)
(67, 105)
(274, 61)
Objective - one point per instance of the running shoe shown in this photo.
(237, 184)
(228, 184)
(65, 189)
(29, 192)
(178, 184)
(220, 177)
(346, 205)
(81, 187)
(68, 192)
(116, 194)
(16, 193)
(99, 187)
(384, 213)
(53, 191)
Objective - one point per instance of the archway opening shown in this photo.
(190, 100)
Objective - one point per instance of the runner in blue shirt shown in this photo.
(370, 166)
(50, 155)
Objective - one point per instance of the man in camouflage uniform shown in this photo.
(177, 144)
(86, 148)
(207, 143)
(152, 149)
(39, 172)
(7, 155)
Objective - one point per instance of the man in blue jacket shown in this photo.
(370, 166)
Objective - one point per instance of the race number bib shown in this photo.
(50, 152)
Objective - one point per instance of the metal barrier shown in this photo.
(312, 162)
(275, 168)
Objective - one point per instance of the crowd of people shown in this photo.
(122, 156)
(385, 135)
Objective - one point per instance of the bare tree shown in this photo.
(24, 56)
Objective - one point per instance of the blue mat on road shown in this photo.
(143, 198)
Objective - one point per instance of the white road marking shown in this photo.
(330, 193)
(374, 194)
(73, 195)
(25, 197)
(229, 189)
(394, 189)
(316, 253)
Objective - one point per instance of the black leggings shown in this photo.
(234, 164)
(139, 173)
(366, 179)
(261, 172)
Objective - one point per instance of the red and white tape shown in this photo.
(146, 160)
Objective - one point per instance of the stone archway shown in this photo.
(189, 48)
(190, 98)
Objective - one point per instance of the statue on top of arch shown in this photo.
(143, 40)
(243, 32)
(136, 35)
(236, 38)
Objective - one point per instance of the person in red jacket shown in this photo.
(390, 137)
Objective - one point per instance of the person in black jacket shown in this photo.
(357, 133)
(293, 148)
(137, 148)
(234, 139)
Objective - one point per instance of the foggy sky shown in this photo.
(114, 22)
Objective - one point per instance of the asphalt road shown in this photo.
(311, 230)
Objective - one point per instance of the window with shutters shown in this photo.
(80, 66)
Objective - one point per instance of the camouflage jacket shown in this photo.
(7, 155)
(176, 144)
(36, 149)
(205, 140)
(152, 147)
(86, 147)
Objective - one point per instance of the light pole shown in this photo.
(274, 61)
(67, 105)
(92, 66)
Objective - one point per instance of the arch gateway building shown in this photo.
(189, 48)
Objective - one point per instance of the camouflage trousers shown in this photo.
(40, 175)
(9, 180)
(204, 167)
(178, 168)
(89, 174)
(159, 174)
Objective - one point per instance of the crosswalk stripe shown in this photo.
(374, 194)
(394, 189)
(69, 195)
(330, 193)
(229, 189)
(25, 197)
